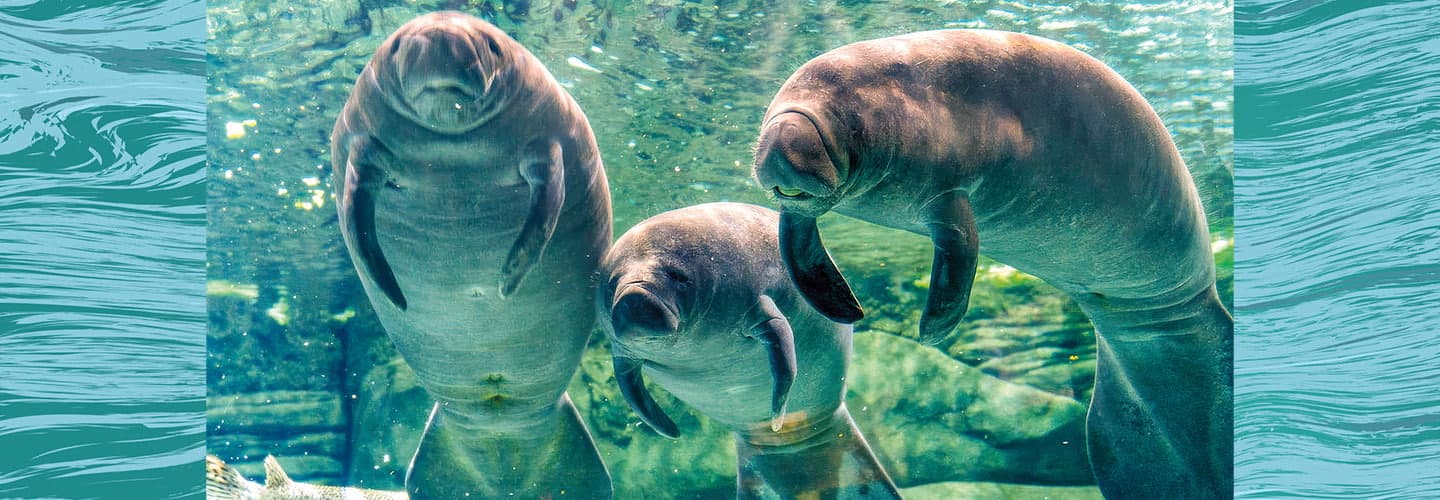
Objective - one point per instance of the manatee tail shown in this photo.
(1160, 422)
(830, 460)
(223, 482)
(556, 458)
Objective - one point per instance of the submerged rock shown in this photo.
(936, 420)
(1005, 491)
(309, 425)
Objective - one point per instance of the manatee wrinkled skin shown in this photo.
(475, 208)
(697, 300)
(1044, 159)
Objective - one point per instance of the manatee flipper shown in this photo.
(363, 177)
(553, 458)
(812, 270)
(632, 387)
(952, 271)
(780, 341)
(543, 169)
(835, 462)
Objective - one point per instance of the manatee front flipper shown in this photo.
(553, 458)
(632, 387)
(543, 168)
(363, 177)
(780, 341)
(812, 270)
(952, 271)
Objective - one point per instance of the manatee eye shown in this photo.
(790, 193)
(677, 276)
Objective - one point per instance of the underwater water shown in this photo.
(298, 366)
(101, 248)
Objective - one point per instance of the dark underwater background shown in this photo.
(103, 221)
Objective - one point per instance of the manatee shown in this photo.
(1042, 158)
(697, 300)
(475, 208)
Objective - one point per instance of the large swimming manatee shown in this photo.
(475, 208)
(1043, 158)
(698, 300)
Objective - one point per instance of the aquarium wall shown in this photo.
(299, 367)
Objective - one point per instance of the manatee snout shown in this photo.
(637, 311)
(443, 65)
(793, 163)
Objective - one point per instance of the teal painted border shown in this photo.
(1337, 248)
(1264, 473)
(139, 433)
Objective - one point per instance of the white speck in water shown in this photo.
(255, 157)
(229, 174)
(385, 458)
(311, 181)
(580, 63)
(597, 49)
(644, 87)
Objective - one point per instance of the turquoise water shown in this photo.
(1338, 250)
(100, 159)
(101, 249)
(675, 91)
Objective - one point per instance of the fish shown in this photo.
(223, 482)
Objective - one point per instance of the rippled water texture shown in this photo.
(101, 248)
(1338, 250)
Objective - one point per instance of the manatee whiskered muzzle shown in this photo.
(441, 76)
(445, 105)
(638, 312)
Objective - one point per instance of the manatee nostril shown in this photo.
(493, 45)
(638, 312)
